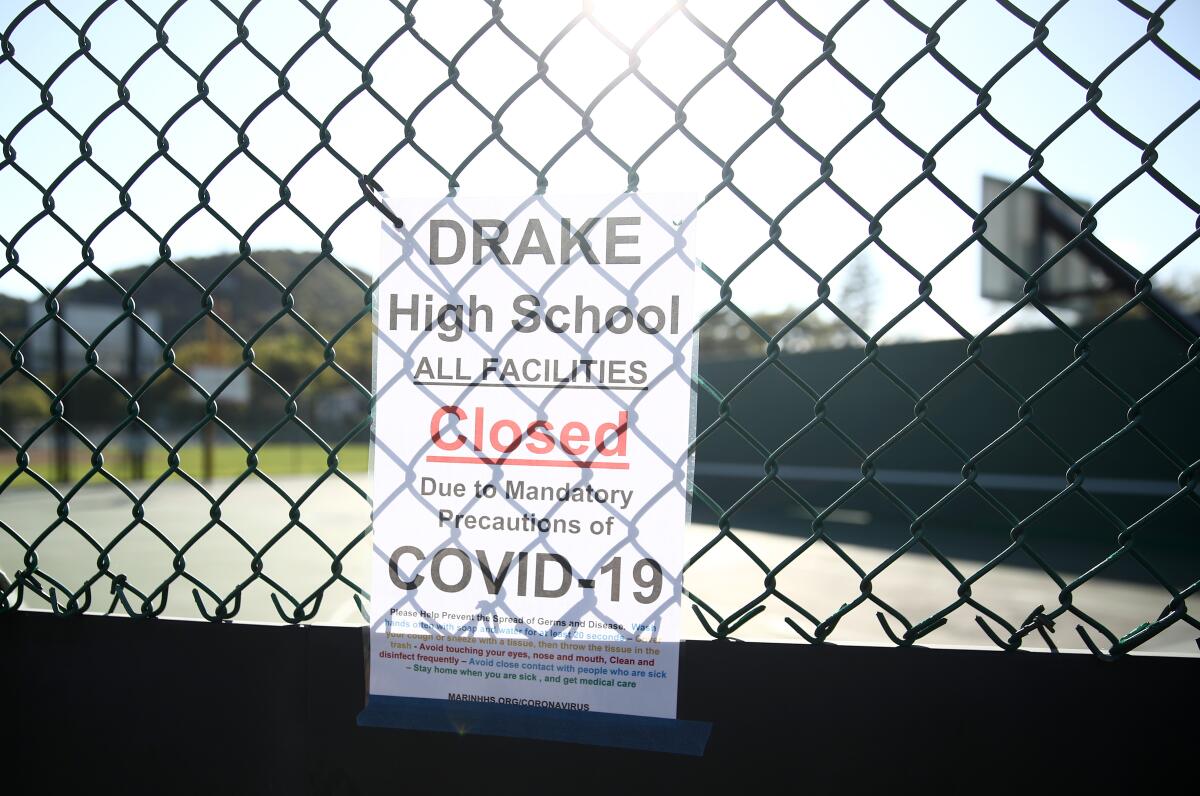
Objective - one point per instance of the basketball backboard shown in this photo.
(1019, 226)
(92, 322)
(211, 377)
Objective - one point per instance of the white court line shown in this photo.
(1011, 481)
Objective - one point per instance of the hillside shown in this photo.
(245, 298)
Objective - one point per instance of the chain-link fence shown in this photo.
(186, 189)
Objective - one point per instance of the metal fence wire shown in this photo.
(77, 420)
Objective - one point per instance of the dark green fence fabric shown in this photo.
(1121, 382)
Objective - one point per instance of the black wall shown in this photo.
(127, 706)
(1079, 414)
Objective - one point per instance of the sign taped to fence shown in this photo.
(534, 407)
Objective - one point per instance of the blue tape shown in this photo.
(546, 724)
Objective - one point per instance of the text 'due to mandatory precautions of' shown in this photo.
(533, 363)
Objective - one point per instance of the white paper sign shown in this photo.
(533, 371)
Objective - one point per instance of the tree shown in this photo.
(20, 400)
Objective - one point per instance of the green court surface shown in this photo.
(916, 584)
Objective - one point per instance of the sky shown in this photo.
(1148, 92)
